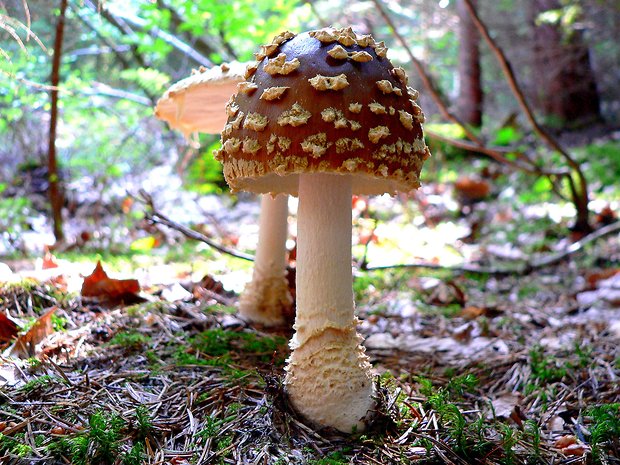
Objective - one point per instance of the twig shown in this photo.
(155, 217)
(426, 80)
(476, 145)
(526, 268)
(436, 266)
(580, 196)
(497, 154)
(577, 246)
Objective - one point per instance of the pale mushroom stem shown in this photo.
(266, 299)
(329, 377)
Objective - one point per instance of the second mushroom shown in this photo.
(197, 104)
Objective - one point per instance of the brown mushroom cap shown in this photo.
(325, 101)
(197, 103)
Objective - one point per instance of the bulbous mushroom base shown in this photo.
(266, 300)
(329, 380)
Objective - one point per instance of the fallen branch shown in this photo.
(154, 217)
(579, 190)
(522, 269)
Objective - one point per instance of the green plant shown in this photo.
(605, 427)
(533, 434)
(333, 458)
(135, 455)
(104, 436)
(99, 444)
(130, 340)
(545, 369)
(59, 323)
(38, 383)
(211, 428)
(14, 445)
(510, 438)
(144, 424)
(459, 385)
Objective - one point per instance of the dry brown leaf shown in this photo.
(447, 293)
(471, 190)
(98, 284)
(463, 333)
(565, 441)
(49, 261)
(25, 345)
(472, 312)
(594, 277)
(8, 328)
(577, 450)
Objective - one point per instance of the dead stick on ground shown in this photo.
(528, 267)
(155, 217)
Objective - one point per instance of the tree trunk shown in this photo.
(564, 80)
(56, 198)
(470, 98)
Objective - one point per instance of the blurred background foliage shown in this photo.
(120, 56)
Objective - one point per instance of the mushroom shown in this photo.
(198, 104)
(336, 118)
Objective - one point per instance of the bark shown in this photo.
(470, 98)
(56, 197)
(565, 82)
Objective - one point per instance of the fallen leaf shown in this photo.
(99, 285)
(447, 293)
(463, 333)
(606, 216)
(471, 312)
(25, 344)
(594, 277)
(565, 441)
(49, 261)
(504, 405)
(577, 450)
(471, 190)
(8, 328)
(518, 416)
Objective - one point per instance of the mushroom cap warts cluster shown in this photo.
(326, 101)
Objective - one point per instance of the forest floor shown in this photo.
(471, 367)
(503, 364)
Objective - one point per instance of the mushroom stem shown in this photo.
(329, 378)
(266, 299)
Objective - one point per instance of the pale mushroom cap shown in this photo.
(327, 101)
(197, 103)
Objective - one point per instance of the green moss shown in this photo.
(604, 430)
(130, 340)
(333, 458)
(14, 445)
(39, 383)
